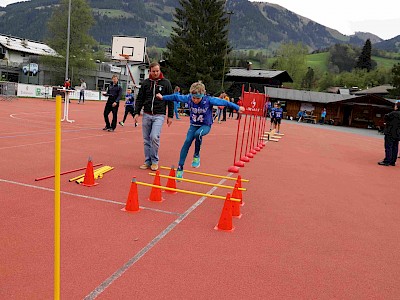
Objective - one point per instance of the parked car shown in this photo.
(31, 68)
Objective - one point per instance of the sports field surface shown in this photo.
(321, 219)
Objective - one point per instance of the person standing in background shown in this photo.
(114, 93)
(177, 90)
(392, 137)
(82, 91)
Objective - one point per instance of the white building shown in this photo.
(19, 58)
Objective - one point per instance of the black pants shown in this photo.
(129, 109)
(107, 109)
(224, 114)
(391, 149)
(82, 96)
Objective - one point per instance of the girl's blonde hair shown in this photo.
(197, 88)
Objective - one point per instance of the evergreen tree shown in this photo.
(395, 81)
(199, 43)
(308, 79)
(364, 60)
(81, 43)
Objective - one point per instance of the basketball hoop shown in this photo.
(125, 56)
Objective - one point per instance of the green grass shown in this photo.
(112, 13)
(385, 62)
(318, 61)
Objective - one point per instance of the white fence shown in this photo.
(40, 91)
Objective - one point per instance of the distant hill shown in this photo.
(254, 25)
(391, 45)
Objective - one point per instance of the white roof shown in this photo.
(27, 46)
(240, 72)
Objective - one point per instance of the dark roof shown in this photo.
(241, 74)
(381, 90)
(318, 97)
(305, 96)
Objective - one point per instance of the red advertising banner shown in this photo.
(253, 103)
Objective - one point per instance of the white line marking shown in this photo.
(105, 284)
(85, 197)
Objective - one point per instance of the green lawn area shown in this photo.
(318, 61)
(385, 62)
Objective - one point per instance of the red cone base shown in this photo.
(233, 169)
(239, 163)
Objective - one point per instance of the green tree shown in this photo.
(364, 61)
(292, 58)
(308, 79)
(395, 81)
(198, 43)
(81, 43)
(341, 58)
(325, 81)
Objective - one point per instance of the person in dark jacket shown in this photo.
(114, 93)
(154, 112)
(392, 137)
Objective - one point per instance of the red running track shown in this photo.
(320, 219)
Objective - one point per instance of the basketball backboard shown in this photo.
(134, 48)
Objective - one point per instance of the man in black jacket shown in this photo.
(114, 93)
(154, 112)
(392, 137)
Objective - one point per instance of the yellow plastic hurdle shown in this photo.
(198, 182)
(185, 191)
(206, 174)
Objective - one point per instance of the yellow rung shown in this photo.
(207, 174)
(185, 191)
(83, 175)
(97, 174)
(199, 182)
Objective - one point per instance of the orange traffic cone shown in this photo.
(240, 195)
(225, 221)
(89, 174)
(155, 194)
(171, 183)
(235, 204)
(132, 203)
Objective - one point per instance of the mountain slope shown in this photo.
(253, 25)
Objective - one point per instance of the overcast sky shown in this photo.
(381, 18)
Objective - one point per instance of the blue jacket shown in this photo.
(129, 100)
(201, 113)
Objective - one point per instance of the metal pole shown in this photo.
(68, 38)
(229, 13)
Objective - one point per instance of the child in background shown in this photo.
(278, 117)
(200, 108)
(272, 115)
(129, 106)
(177, 90)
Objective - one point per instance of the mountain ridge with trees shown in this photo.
(253, 25)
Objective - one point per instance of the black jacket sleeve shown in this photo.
(170, 104)
(140, 99)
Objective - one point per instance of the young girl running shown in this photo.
(200, 108)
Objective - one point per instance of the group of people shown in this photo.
(303, 113)
(157, 100)
(67, 86)
(276, 114)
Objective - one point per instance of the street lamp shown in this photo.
(229, 13)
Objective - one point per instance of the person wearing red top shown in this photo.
(240, 103)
